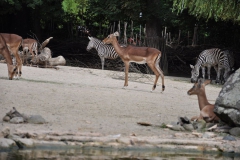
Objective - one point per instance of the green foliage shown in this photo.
(217, 9)
(74, 6)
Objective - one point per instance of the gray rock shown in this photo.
(36, 119)
(199, 125)
(23, 142)
(188, 127)
(17, 120)
(6, 143)
(229, 138)
(227, 105)
(235, 131)
(6, 118)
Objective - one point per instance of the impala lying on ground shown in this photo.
(13, 42)
(140, 55)
(206, 109)
(29, 46)
(6, 54)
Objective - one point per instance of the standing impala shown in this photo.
(206, 109)
(30, 46)
(14, 41)
(140, 55)
(6, 54)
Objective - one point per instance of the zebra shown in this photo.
(212, 57)
(104, 51)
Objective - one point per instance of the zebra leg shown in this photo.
(102, 62)
(226, 74)
(203, 72)
(218, 74)
(209, 70)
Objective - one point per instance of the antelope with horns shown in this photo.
(13, 42)
(206, 109)
(140, 55)
(6, 54)
(29, 46)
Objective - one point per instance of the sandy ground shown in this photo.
(88, 100)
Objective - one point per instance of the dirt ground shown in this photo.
(90, 100)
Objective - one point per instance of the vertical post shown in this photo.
(140, 37)
(125, 34)
(179, 34)
(131, 29)
(119, 30)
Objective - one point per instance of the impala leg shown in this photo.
(157, 74)
(19, 62)
(126, 73)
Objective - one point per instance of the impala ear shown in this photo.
(116, 34)
(89, 38)
(191, 66)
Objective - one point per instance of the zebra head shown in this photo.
(90, 43)
(194, 73)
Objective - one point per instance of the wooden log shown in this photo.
(57, 61)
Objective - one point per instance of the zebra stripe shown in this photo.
(104, 51)
(208, 58)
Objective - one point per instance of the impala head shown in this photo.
(25, 50)
(194, 73)
(198, 87)
(110, 38)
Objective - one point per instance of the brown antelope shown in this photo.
(206, 109)
(6, 54)
(13, 42)
(140, 55)
(29, 46)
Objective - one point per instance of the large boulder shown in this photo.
(227, 105)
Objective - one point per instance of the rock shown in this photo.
(5, 132)
(188, 127)
(6, 143)
(183, 120)
(209, 135)
(235, 131)
(17, 120)
(6, 118)
(199, 125)
(227, 105)
(175, 127)
(36, 119)
(229, 138)
(23, 142)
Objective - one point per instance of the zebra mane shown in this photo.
(95, 39)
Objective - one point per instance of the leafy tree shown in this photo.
(217, 9)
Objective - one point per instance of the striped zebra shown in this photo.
(104, 51)
(212, 57)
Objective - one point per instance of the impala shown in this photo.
(140, 55)
(6, 54)
(13, 42)
(30, 46)
(206, 109)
